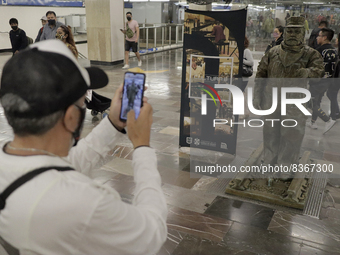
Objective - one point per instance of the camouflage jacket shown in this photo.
(285, 70)
(277, 63)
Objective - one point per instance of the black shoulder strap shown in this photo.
(8, 247)
(25, 178)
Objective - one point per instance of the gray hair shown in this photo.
(27, 126)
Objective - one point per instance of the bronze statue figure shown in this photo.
(291, 59)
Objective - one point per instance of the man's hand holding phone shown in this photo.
(139, 129)
(132, 94)
(115, 107)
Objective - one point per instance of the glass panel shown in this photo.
(142, 39)
(159, 36)
(173, 34)
(180, 34)
(166, 35)
(263, 19)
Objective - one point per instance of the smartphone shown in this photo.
(133, 92)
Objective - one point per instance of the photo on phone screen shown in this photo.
(132, 94)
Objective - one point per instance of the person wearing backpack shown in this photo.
(17, 36)
(131, 39)
(43, 23)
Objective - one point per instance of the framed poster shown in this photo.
(212, 56)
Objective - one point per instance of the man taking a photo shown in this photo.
(56, 208)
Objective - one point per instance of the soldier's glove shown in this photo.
(302, 73)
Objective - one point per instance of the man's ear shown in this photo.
(71, 118)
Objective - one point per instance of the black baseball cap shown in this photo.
(48, 78)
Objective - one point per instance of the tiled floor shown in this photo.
(201, 220)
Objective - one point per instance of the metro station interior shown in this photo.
(202, 217)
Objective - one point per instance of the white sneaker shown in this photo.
(312, 125)
(329, 125)
(140, 63)
(126, 66)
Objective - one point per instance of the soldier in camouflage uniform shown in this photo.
(132, 91)
(291, 59)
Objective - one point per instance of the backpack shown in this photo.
(29, 39)
(129, 32)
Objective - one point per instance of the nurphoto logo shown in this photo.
(238, 104)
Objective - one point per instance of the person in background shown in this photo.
(43, 23)
(268, 26)
(249, 61)
(278, 35)
(250, 25)
(306, 23)
(132, 42)
(260, 19)
(50, 29)
(312, 42)
(307, 26)
(187, 26)
(287, 17)
(219, 35)
(247, 56)
(196, 23)
(319, 87)
(17, 36)
(64, 34)
(333, 90)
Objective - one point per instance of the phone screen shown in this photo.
(132, 94)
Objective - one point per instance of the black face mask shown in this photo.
(128, 18)
(14, 27)
(77, 132)
(51, 22)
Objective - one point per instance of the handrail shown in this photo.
(160, 37)
(80, 55)
(151, 27)
(161, 26)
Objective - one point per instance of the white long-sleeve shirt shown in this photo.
(68, 213)
(248, 58)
